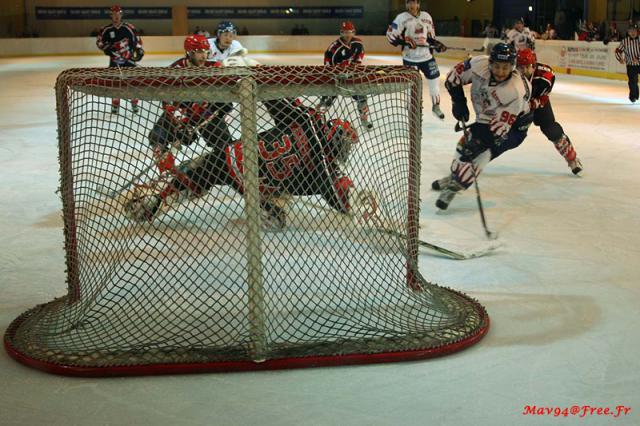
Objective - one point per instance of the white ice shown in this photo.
(562, 293)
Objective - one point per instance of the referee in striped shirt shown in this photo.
(630, 47)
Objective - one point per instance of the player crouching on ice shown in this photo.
(301, 157)
(182, 123)
(500, 97)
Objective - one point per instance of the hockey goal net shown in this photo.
(278, 235)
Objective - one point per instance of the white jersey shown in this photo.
(496, 104)
(520, 39)
(216, 54)
(419, 28)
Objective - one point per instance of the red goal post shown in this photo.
(205, 287)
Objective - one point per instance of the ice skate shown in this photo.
(366, 123)
(135, 108)
(437, 111)
(447, 194)
(575, 165)
(440, 184)
(115, 109)
(273, 217)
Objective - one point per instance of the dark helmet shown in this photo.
(226, 27)
(503, 52)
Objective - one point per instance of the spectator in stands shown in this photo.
(550, 33)
(612, 33)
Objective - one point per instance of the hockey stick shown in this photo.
(490, 235)
(452, 254)
(447, 252)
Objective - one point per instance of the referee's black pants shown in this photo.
(632, 74)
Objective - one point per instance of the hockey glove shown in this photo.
(535, 103)
(409, 42)
(436, 45)
(460, 110)
(137, 55)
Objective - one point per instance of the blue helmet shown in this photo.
(226, 27)
(503, 52)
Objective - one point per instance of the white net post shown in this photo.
(248, 107)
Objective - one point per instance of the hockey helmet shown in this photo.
(226, 27)
(526, 57)
(503, 52)
(196, 42)
(116, 8)
(347, 27)
(340, 135)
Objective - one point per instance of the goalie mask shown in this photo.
(339, 136)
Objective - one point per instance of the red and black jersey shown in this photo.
(119, 43)
(190, 112)
(292, 160)
(542, 81)
(341, 53)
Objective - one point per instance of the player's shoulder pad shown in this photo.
(235, 45)
(404, 17)
(425, 15)
(544, 69)
(180, 63)
(479, 65)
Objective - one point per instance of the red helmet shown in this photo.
(340, 135)
(196, 42)
(347, 27)
(526, 57)
(116, 8)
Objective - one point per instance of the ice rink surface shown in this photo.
(562, 291)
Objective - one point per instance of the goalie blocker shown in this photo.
(300, 157)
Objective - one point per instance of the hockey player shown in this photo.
(183, 122)
(520, 37)
(224, 44)
(414, 30)
(500, 97)
(630, 48)
(542, 80)
(121, 43)
(302, 157)
(347, 50)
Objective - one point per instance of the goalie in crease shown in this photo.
(183, 122)
(301, 155)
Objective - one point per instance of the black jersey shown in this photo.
(119, 43)
(342, 53)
